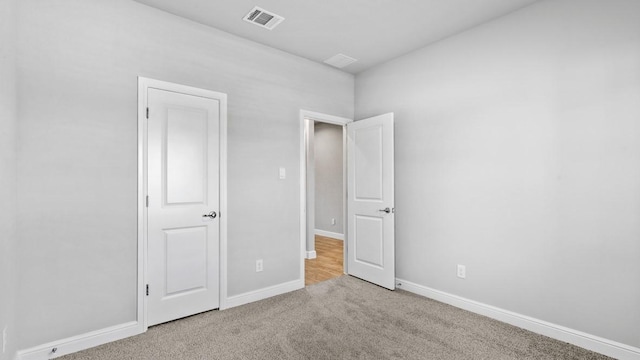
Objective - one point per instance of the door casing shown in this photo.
(143, 85)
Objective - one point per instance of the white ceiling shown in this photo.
(372, 31)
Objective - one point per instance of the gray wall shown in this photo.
(517, 155)
(78, 63)
(328, 177)
(311, 184)
(8, 124)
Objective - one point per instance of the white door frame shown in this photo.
(331, 119)
(143, 85)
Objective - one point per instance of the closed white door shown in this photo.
(370, 204)
(183, 205)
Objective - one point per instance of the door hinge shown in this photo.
(147, 200)
(147, 289)
(147, 112)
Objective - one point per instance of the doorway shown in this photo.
(368, 204)
(323, 189)
(325, 182)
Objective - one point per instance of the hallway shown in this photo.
(329, 261)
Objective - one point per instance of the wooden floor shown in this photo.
(329, 261)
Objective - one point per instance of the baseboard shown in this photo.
(330, 234)
(265, 293)
(117, 332)
(591, 342)
(80, 342)
(312, 254)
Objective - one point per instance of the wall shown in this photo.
(8, 134)
(78, 63)
(517, 152)
(310, 154)
(328, 177)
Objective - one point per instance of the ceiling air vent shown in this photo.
(263, 18)
(340, 61)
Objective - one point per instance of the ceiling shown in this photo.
(372, 31)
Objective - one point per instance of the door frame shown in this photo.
(143, 85)
(331, 119)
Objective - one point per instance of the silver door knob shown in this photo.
(210, 215)
(387, 210)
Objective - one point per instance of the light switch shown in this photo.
(283, 173)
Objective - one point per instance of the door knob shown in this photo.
(210, 215)
(387, 210)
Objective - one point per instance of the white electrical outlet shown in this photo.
(462, 271)
(4, 340)
(333, 221)
(282, 173)
(259, 265)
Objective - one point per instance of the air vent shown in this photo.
(340, 61)
(263, 18)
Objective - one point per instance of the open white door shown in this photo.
(183, 204)
(370, 208)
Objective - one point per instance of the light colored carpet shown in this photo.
(343, 318)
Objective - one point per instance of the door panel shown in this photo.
(186, 147)
(368, 162)
(371, 235)
(369, 243)
(186, 259)
(183, 185)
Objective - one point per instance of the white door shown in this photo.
(183, 204)
(370, 207)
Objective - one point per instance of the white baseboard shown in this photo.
(312, 254)
(267, 292)
(330, 234)
(80, 342)
(95, 338)
(591, 342)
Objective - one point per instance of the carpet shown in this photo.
(343, 318)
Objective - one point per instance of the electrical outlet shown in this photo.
(4, 340)
(282, 172)
(333, 221)
(259, 265)
(462, 271)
